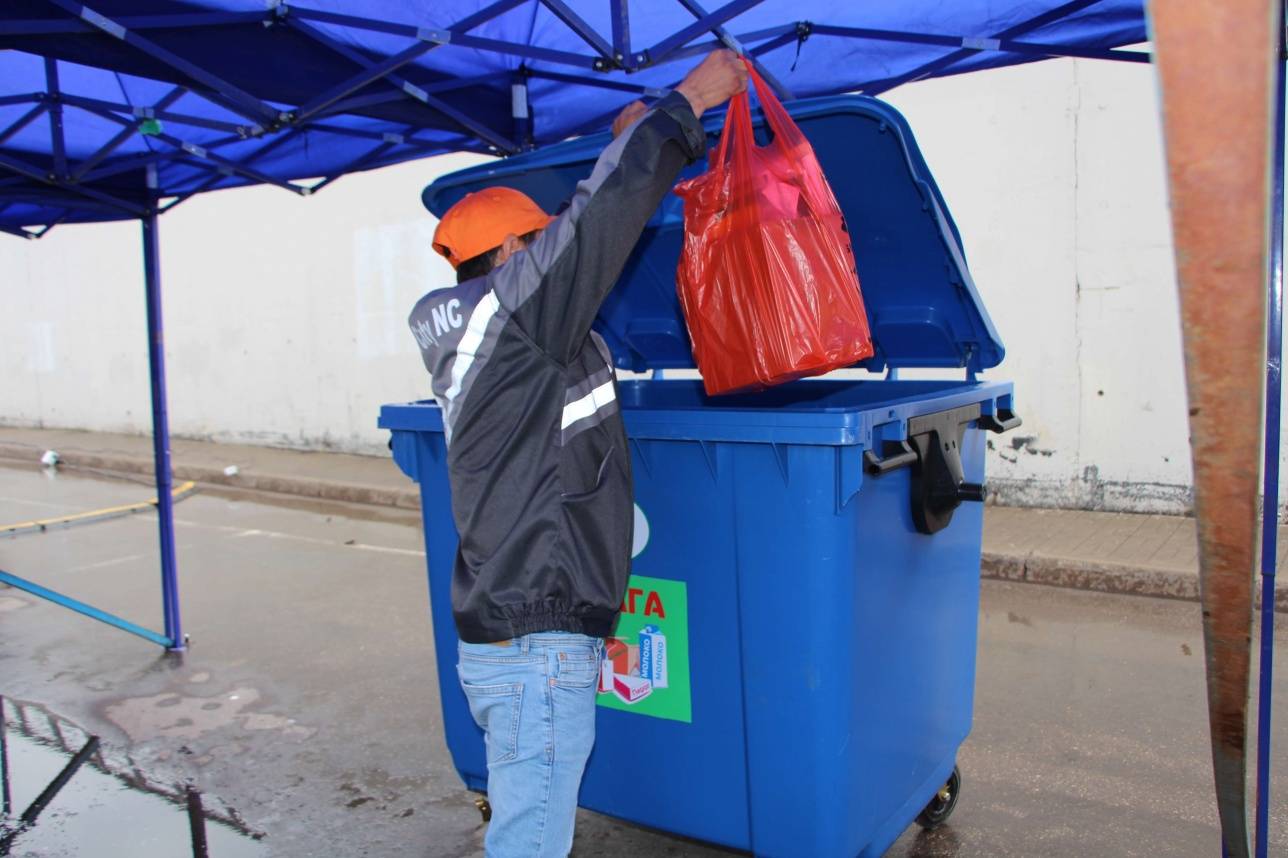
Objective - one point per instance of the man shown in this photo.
(537, 454)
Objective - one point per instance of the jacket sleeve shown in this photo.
(557, 285)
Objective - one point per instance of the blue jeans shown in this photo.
(534, 697)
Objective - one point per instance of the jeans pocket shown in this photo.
(578, 668)
(496, 708)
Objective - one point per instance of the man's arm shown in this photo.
(564, 276)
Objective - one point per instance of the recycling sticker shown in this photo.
(646, 661)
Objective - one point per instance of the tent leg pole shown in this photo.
(1270, 487)
(1220, 180)
(161, 434)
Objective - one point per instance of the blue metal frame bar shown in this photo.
(487, 13)
(456, 35)
(133, 162)
(705, 47)
(57, 138)
(23, 98)
(6, 798)
(120, 139)
(32, 172)
(1270, 485)
(530, 52)
(658, 52)
(61, 26)
(155, 112)
(282, 138)
(200, 152)
(372, 99)
(620, 18)
(579, 26)
(157, 157)
(340, 131)
(82, 608)
(161, 429)
(599, 83)
(391, 28)
(204, 154)
(787, 33)
(23, 121)
(731, 42)
(776, 43)
(248, 104)
(370, 74)
(978, 45)
(1050, 16)
(487, 135)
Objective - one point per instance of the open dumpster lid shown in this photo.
(922, 304)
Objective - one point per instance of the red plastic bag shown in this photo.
(766, 277)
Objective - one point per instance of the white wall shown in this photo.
(1055, 175)
(285, 316)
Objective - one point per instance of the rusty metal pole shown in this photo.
(1216, 65)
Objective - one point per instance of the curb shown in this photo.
(405, 498)
(1069, 573)
(1075, 574)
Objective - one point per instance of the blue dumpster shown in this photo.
(794, 668)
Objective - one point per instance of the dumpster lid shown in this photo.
(922, 305)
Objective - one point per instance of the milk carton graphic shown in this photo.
(653, 656)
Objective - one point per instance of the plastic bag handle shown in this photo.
(738, 118)
(739, 107)
(775, 114)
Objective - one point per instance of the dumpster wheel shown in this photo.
(485, 808)
(941, 806)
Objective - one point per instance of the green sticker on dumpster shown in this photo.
(646, 661)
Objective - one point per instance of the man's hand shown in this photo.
(715, 80)
(629, 114)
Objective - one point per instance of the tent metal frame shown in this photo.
(609, 52)
(255, 118)
(1270, 469)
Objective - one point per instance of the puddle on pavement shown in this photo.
(99, 813)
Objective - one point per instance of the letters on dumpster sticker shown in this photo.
(646, 662)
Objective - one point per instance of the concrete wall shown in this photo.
(285, 316)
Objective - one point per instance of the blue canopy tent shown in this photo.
(319, 89)
(128, 108)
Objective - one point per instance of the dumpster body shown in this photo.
(794, 668)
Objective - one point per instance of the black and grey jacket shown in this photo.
(537, 455)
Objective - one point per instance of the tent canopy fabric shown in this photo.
(110, 110)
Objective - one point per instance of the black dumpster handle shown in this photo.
(1004, 421)
(899, 454)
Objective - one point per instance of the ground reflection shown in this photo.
(60, 797)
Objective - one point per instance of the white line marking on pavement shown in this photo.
(104, 563)
(240, 532)
(30, 502)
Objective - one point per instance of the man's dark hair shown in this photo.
(482, 265)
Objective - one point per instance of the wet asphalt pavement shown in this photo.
(307, 706)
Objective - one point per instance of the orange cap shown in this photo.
(482, 220)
